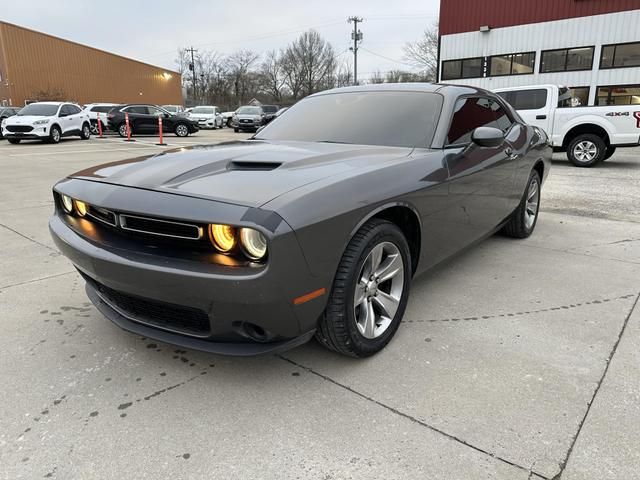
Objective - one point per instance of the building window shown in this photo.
(621, 55)
(618, 95)
(567, 59)
(511, 64)
(465, 68)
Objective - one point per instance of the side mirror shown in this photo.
(487, 137)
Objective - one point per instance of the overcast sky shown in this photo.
(152, 31)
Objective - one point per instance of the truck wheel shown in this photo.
(610, 152)
(586, 150)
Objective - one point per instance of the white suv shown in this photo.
(49, 121)
(207, 116)
(93, 109)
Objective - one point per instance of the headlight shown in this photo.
(223, 237)
(253, 243)
(41, 122)
(67, 203)
(81, 208)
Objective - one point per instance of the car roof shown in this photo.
(51, 103)
(528, 87)
(443, 88)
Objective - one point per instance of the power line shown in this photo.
(387, 58)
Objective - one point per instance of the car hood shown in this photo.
(249, 173)
(24, 119)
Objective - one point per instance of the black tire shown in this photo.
(122, 130)
(236, 130)
(337, 328)
(14, 141)
(586, 138)
(229, 122)
(609, 153)
(94, 128)
(85, 133)
(181, 130)
(517, 226)
(55, 134)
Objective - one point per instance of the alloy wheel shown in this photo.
(182, 131)
(379, 290)
(585, 151)
(532, 204)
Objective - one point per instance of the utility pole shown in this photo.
(356, 36)
(192, 67)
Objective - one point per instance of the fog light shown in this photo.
(81, 208)
(223, 237)
(253, 243)
(67, 203)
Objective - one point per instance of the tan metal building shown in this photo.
(37, 66)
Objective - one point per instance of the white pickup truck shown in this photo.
(588, 134)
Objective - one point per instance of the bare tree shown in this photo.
(423, 53)
(309, 64)
(344, 74)
(393, 76)
(273, 75)
(240, 70)
(376, 77)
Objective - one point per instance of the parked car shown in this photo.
(49, 121)
(310, 228)
(270, 112)
(6, 112)
(281, 111)
(144, 119)
(175, 109)
(93, 109)
(248, 118)
(588, 135)
(207, 116)
(227, 118)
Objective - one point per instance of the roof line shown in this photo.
(88, 46)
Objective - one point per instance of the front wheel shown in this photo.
(523, 220)
(85, 133)
(122, 130)
(55, 134)
(182, 130)
(586, 150)
(369, 293)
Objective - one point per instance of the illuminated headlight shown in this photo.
(41, 122)
(67, 203)
(254, 244)
(223, 237)
(81, 208)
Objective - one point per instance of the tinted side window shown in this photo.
(527, 99)
(471, 113)
(137, 109)
(64, 111)
(73, 109)
(503, 121)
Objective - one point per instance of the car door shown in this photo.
(66, 119)
(481, 179)
(77, 117)
(154, 113)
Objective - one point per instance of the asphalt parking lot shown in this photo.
(516, 360)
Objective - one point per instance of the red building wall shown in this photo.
(457, 16)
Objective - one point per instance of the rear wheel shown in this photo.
(14, 141)
(586, 150)
(609, 153)
(369, 293)
(523, 220)
(94, 128)
(55, 134)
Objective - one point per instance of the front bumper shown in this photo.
(234, 300)
(36, 133)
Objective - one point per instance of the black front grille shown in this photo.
(19, 128)
(156, 226)
(160, 314)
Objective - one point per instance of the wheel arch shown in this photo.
(406, 218)
(584, 128)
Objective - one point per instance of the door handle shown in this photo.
(541, 117)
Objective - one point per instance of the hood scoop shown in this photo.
(252, 166)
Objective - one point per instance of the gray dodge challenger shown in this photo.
(307, 228)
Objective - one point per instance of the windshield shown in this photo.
(39, 110)
(400, 119)
(202, 110)
(270, 108)
(249, 111)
